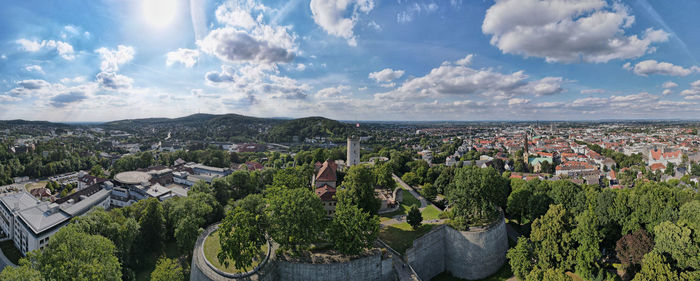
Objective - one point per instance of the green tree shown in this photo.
(293, 177)
(547, 274)
(551, 235)
(152, 223)
(296, 217)
(655, 267)
(680, 241)
(383, 174)
(242, 234)
(410, 178)
(589, 238)
(97, 171)
(352, 229)
(476, 196)
(414, 217)
(429, 191)
(359, 189)
(167, 270)
(518, 204)
(520, 258)
(113, 225)
(186, 233)
(74, 255)
(21, 273)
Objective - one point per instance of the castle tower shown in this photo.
(353, 151)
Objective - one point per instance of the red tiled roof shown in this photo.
(657, 166)
(327, 172)
(326, 193)
(657, 154)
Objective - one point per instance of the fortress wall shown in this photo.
(427, 256)
(370, 268)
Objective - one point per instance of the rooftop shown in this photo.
(132, 177)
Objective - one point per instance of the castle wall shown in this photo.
(370, 268)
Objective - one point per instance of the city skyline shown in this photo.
(353, 60)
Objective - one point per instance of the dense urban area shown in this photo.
(239, 197)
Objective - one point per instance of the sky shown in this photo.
(101, 60)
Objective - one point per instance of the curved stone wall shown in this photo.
(473, 254)
(201, 270)
(370, 268)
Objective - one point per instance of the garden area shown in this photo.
(400, 236)
(212, 247)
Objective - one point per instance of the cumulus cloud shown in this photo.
(113, 58)
(567, 31)
(113, 81)
(669, 85)
(694, 92)
(466, 61)
(450, 80)
(245, 39)
(386, 75)
(63, 49)
(667, 92)
(64, 99)
(338, 17)
(232, 45)
(517, 101)
(649, 67)
(258, 80)
(187, 57)
(34, 68)
(331, 92)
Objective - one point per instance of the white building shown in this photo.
(30, 223)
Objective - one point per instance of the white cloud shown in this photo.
(331, 16)
(300, 67)
(245, 39)
(669, 84)
(34, 68)
(187, 57)
(592, 91)
(331, 92)
(451, 80)
(517, 101)
(374, 25)
(112, 59)
(413, 10)
(567, 31)
(694, 92)
(77, 79)
(113, 81)
(259, 81)
(386, 75)
(63, 49)
(667, 92)
(466, 61)
(649, 67)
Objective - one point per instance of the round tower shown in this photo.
(353, 151)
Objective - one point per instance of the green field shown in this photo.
(430, 213)
(400, 236)
(211, 250)
(408, 201)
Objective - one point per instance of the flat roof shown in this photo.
(39, 217)
(84, 205)
(132, 177)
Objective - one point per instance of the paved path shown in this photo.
(423, 202)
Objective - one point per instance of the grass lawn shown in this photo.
(501, 275)
(35, 185)
(430, 213)
(400, 236)
(212, 247)
(408, 201)
(8, 248)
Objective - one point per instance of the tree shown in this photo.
(383, 173)
(21, 273)
(113, 225)
(167, 270)
(520, 258)
(588, 252)
(75, 255)
(551, 235)
(296, 217)
(410, 178)
(293, 177)
(656, 267)
(352, 229)
(670, 169)
(680, 241)
(476, 196)
(429, 191)
(547, 274)
(152, 223)
(631, 249)
(242, 234)
(359, 189)
(97, 171)
(186, 233)
(518, 203)
(414, 217)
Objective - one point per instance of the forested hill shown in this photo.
(235, 127)
(308, 127)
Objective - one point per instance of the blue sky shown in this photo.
(350, 59)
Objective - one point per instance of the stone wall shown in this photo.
(473, 254)
(370, 268)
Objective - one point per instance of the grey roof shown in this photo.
(132, 177)
(84, 205)
(42, 217)
(22, 199)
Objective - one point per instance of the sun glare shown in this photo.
(159, 13)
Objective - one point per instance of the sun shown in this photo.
(159, 13)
